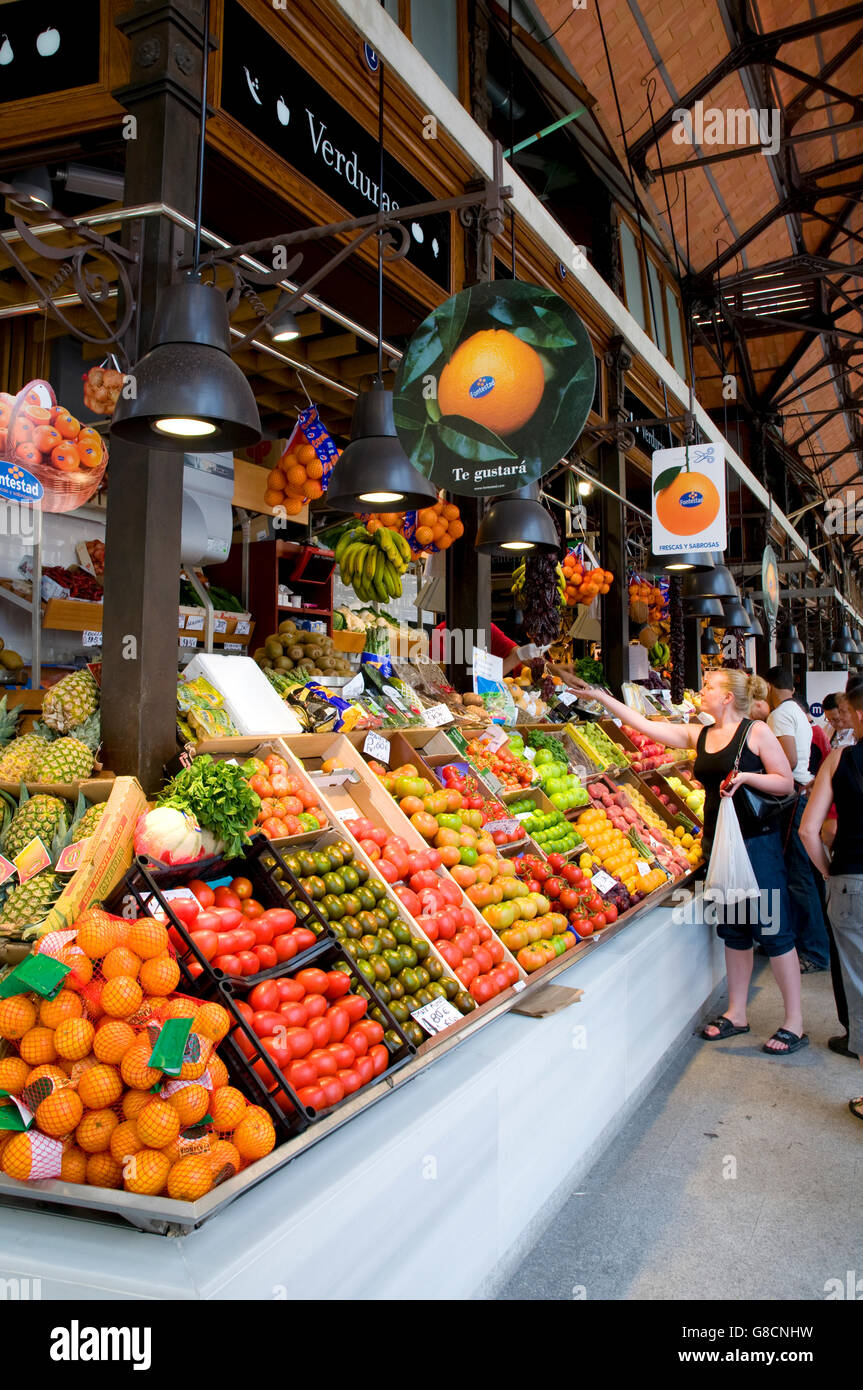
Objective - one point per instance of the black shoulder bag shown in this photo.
(762, 811)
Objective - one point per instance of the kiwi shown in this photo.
(296, 653)
(11, 661)
(287, 627)
(283, 663)
(258, 653)
(273, 648)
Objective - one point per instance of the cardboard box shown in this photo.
(93, 788)
(240, 749)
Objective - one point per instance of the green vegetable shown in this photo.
(589, 670)
(537, 739)
(219, 797)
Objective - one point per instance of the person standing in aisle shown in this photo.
(837, 712)
(727, 696)
(791, 727)
(840, 780)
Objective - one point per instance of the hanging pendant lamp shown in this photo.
(842, 645)
(689, 561)
(517, 522)
(717, 582)
(704, 608)
(734, 613)
(374, 474)
(755, 629)
(710, 646)
(189, 393)
(791, 643)
(284, 327)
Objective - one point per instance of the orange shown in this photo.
(450, 511)
(148, 1172)
(689, 504)
(156, 1003)
(424, 535)
(158, 1124)
(94, 1132)
(103, 1171)
(225, 1162)
(73, 1038)
(121, 997)
(172, 1151)
(254, 1136)
(13, 1074)
(37, 1045)
(73, 1165)
(191, 1071)
(213, 1022)
(147, 938)
(191, 1104)
(17, 1016)
(227, 1108)
(276, 480)
(113, 1040)
(218, 1071)
(100, 1086)
(426, 516)
(91, 993)
(135, 1067)
(120, 961)
(190, 1178)
(293, 505)
(17, 1157)
(314, 469)
(66, 1005)
(160, 975)
(273, 498)
(456, 529)
(125, 1141)
(59, 1113)
(96, 933)
(314, 489)
(306, 454)
(134, 1102)
(493, 378)
(181, 1008)
(47, 1073)
(296, 476)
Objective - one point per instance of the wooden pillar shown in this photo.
(612, 472)
(145, 497)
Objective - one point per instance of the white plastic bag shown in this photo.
(730, 869)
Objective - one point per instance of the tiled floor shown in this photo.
(738, 1178)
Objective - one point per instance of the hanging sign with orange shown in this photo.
(689, 499)
(495, 386)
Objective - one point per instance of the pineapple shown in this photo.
(8, 721)
(65, 760)
(30, 902)
(89, 822)
(18, 762)
(38, 815)
(70, 702)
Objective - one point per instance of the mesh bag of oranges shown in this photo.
(111, 1079)
(426, 531)
(303, 471)
(583, 581)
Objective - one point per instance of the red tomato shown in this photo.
(264, 930)
(482, 989)
(358, 1041)
(301, 1073)
(294, 1015)
(350, 1079)
(365, 1068)
(194, 969)
(354, 1006)
(380, 1056)
(344, 1055)
(303, 937)
(599, 920)
(186, 909)
(229, 963)
(261, 1069)
(510, 969)
(312, 1096)
(176, 940)
(299, 1042)
(275, 1045)
(313, 981)
(207, 943)
(265, 995)
(223, 897)
(289, 990)
(500, 980)
(340, 1022)
(281, 917)
(316, 1005)
(202, 891)
(265, 1022)
(244, 1010)
(483, 959)
(266, 955)
(244, 937)
(285, 947)
(208, 921)
(495, 950)
(610, 912)
(249, 963)
(229, 918)
(333, 1090)
(372, 1029)
(325, 1062)
(242, 887)
(339, 984)
(321, 1030)
(251, 908)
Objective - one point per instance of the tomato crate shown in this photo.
(268, 1062)
(157, 888)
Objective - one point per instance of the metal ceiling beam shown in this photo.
(843, 97)
(796, 355)
(823, 133)
(797, 107)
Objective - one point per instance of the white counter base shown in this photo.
(435, 1191)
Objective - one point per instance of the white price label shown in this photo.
(233, 647)
(618, 722)
(602, 881)
(437, 1016)
(486, 666)
(354, 687)
(642, 867)
(518, 986)
(377, 747)
(243, 627)
(350, 814)
(436, 715)
(530, 754)
(91, 639)
(182, 621)
(510, 825)
(188, 642)
(220, 625)
(567, 698)
(195, 622)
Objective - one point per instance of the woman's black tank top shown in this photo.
(711, 768)
(847, 795)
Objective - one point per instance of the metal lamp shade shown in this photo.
(791, 643)
(685, 561)
(704, 608)
(374, 474)
(517, 522)
(714, 583)
(709, 646)
(843, 644)
(755, 629)
(735, 614)
(188, 376)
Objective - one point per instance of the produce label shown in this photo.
(32, 859)
(436, 715)
(243, 627)
(377, 747)
(91, 639)
(602, 881)
(72, 857)
(509, 826)
(567, 698)
(233, 647)
(7, 869)
(436, 1016)
(354, 687)
(642, 867)
(188, 642)
(195, 622)
(220, 625)
(39, 972)
(14, 1115)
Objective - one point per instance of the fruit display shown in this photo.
(549, 829)
(647, 602)
(78, 582)
(102, 387)
(692, 793)
(650, 753)
(372, 562)
(571, 890)
(597, 744)
(116, 1101)
(288, 806)
(71, 702)
(217, 794)
(628, 806)
(511, 770)
(232, 931)
(583, 582)
(659, 655)
(611, 839)
(48, 436)
(298, 479)
(546, 743)
(24, 906)
(564, 789)
(293, 649)
(426, 531)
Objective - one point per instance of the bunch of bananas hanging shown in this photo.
(517, 586)
(659, 655)
(373, 564)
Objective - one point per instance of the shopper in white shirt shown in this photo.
(793, 731)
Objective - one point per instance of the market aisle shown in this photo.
(657, 1218)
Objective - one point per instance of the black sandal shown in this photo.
(793, 1043)
(853, 1104)
(727, 1029)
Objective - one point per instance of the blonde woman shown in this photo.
(727, 696)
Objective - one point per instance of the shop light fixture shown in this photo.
(791, 643)
(585, 487)
(692, 561)
(710, 646)
(374, 473)
(704, 608)
(843, 644)
(284, 327)
(717, 582)
(735, 615)
(755, 629)
(517, 522)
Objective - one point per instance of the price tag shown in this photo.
(354, 687)
(91, 639)
(188, 642)
(181, 623)
(493, 738)
(233, 647)
(642, 867)
(530, 754)
(436, 1016)
(518, 986)
(195, 622)
(7, 869)
(350, 814)
(485, 666)
(493, 783)
(243, 627)
(510, 825)
(220, 625)
(602, 881)
(436, 715)
(567, 697)
(32, 859)
(618, 722)
(377, 747)
(72, 857)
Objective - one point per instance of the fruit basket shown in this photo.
(68, 459)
